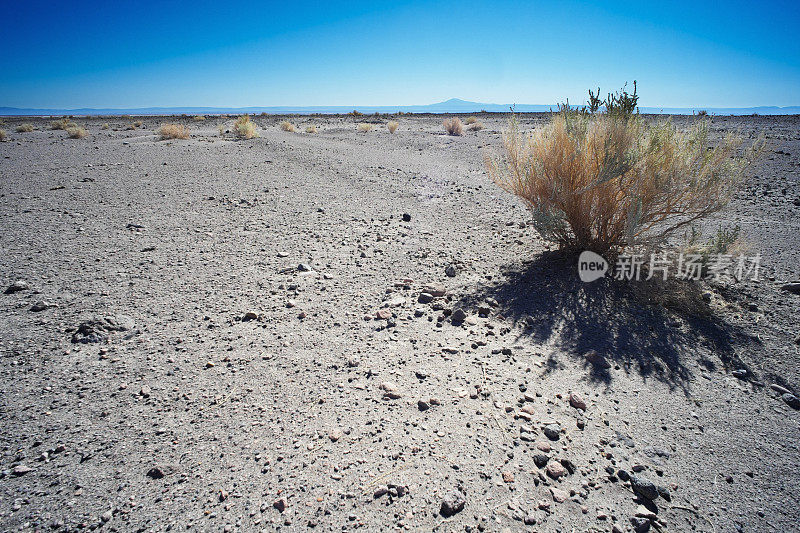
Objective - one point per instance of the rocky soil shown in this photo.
(358, 331)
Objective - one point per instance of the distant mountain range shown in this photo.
(454, 105)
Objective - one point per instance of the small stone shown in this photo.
(422, 405)
(508, 477)
(529, 520)
(250, 315)
(390, 390)
(41, 305)
(552, 431)
(335, 434)
(453, 503)
(596, 359)
(17, 286)
(406, 217)
(739, 374)
(425, 298)
(540, 460)
(640, 525)
(435, 290)
(279, 504)
(791, 400)
(644, 512)
(209, 364)
(644, 487)
(577, 402)
(145, 391)
(160, 471)
(380, 491)
(21, 470)
(559, 496)
(450, 271)
(458, 316)
(556, 470)
(543, 446)
(544, 505)
(383, 314)
(623, 475)
(106, 517)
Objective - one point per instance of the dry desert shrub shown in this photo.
(3, 135)
(25, 128)
(608, 181)
(285, 125)
(471, 120)
(173, 131)
(105, 126)
(453, 126)
(62, 124)
(475, 126)
(392, 126)
(199, 118)
(221, 130)
(76, 132)
(245, 128)
(138, 124)
(311, 129)
(364, 127)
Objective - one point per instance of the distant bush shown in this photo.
(199, 118)
(311, 129)
(365, 127)
(62, 124)
(475, 126)
(392, 126)
(105, 126)
(453, 126)
(76, 132)
(3, 135)
(138, 124)
(25, 128)
(245, 128)
(355, 113)
(608, 181)
(471, 120)
(285, 125)
(173, 131)
(702, 113)
(221, 130)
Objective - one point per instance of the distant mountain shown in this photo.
(454, 105)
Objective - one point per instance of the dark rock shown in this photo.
(422, 405)
(664, 492)
(279, 504)
(739, 374)
(552, 431)
(458, 316)
(793, 287)
(450, 271)
(452, 503)
(425, 298)
(644, 487)
(17, 286)
(623, 475)
(540, 460)
(791, 400)
(640, 525)
(160, 471)
(596, 360)
(406, 217)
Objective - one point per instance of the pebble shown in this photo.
(422, 405)
(383, 314)
(640, 525)
(540, 460)
(552, 431)
(450, 271)
(577, 402)
(556, 470)
(335, 434)
(21, 470)
(559, 496)
(508, 477)
(279, 504)
(596, 359)
(425, 298)
(458, 316)
(145, 391)
(644, 487)
(791, 400)
(452, 503)
(304, 267)
(17, 286)
(390, 390)
(406, 217)
(106, 517)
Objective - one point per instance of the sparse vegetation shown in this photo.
(725, 241)
(245, 128)
(3, 135)
(76, 132)
(311, 129)
(199, 118)
(221, 129)
(471, 120)
(702, 113)
(355, 113)
(453, 126)
(173, 131)
(105, 126)
(25, 128)
(138, 124)
(608, 181)
(286, 125)
(62, 124)
(475, 126)
(392, 126)
(364, 127)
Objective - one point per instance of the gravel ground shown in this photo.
(214, 334)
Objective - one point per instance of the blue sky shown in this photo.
(138, 54)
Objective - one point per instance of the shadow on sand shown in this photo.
(651, 327)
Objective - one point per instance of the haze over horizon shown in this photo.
(358, 53)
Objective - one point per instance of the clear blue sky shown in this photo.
(242, 53)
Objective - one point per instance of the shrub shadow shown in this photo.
(652, 327)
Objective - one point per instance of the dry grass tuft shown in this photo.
(138, 124)
(62, 124)
(311, 129)
(76, 132)
(25, 128)
(173, 131)
(245, 128)
(221, 130)
(606, 182)
(105, 126)
(453, 126)
(199, 118)
(3, 135)
(286, 126)
(471, 120)
(475, 126)
(364, 127)
(392, 126)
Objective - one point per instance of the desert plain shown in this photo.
(357, 330)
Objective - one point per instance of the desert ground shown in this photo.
(216, 334)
